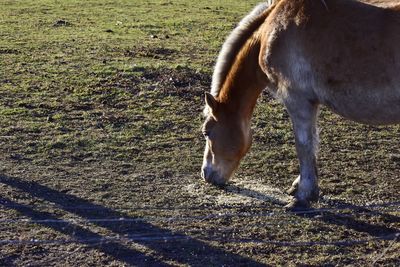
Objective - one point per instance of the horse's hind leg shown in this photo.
(303, 114)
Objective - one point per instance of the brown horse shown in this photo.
(342, 54)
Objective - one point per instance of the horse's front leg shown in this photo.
(304, 119)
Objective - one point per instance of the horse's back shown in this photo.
(344, 54)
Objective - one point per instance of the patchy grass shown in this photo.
(100, 110)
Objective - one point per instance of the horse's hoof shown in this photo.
(314, 195)
(296, 205)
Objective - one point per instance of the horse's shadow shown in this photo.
(329, 216)
(249, 193)
(177, 247)
(347, 220)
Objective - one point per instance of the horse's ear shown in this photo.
(211, 102)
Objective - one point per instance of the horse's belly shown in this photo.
(373, 108)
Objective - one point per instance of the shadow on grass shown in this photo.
(360, 226)
(186, 250)
(253, 194)
(340, 219)
(81, 235)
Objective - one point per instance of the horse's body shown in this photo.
(339, 53)
(346, 57)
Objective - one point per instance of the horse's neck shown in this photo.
(244, 82)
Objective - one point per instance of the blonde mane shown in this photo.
(235, 41)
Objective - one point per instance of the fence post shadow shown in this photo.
(187, 250)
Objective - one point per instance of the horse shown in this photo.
(342, 54)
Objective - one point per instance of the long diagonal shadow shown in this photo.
(114, 249)
(186, 250)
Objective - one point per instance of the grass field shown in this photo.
(100, 149)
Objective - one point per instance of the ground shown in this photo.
(100, 150)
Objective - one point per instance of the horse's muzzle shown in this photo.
(211, 176)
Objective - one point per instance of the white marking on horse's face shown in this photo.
(226, 144)
(214, 170)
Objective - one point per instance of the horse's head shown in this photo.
(228, 138)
